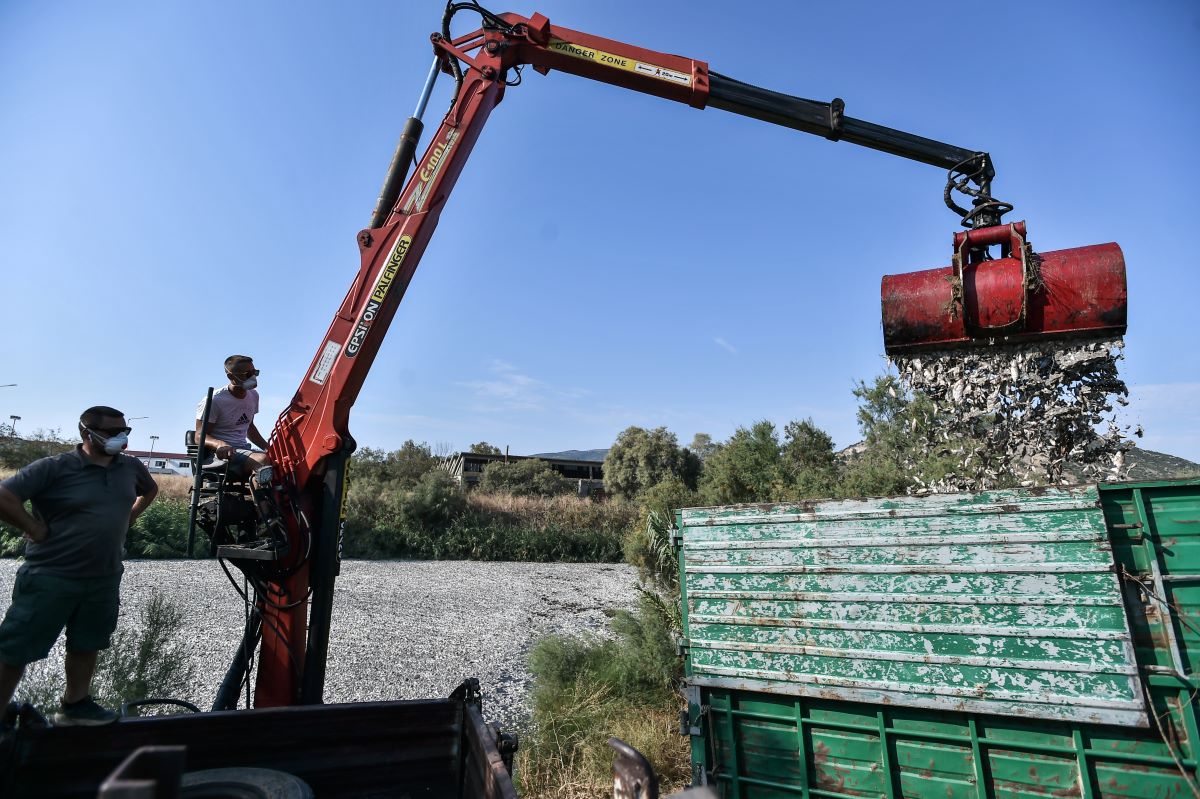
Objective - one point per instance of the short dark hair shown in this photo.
(235, 360)
(94, 414)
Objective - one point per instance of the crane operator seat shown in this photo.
(230, 506)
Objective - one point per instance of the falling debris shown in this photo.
(1021, 414)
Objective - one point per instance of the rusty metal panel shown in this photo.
(1004, 602)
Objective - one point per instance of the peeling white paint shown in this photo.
(1005, 601)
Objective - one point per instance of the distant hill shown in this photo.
(575, 455)
(1146, 464)
(1141, 464)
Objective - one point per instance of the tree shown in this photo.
(887, 416)
(703, 446)
(398, 469)
(809, 461)
(641, 458)
(16, 453)
(895, 425)
(484, 448)
(524, 478)
(807, 447)
(433, 503)
(747, 468)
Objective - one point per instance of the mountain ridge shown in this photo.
(1143, 464)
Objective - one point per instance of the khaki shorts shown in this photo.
(43, 605)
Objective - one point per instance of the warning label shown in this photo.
(620, 62)
(325, 362)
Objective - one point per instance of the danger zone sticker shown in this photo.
(620, 62)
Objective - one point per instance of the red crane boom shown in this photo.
(311, 444)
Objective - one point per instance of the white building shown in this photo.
(163, 462)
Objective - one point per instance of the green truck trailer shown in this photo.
(1019, 643)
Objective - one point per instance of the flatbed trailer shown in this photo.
(418, 748)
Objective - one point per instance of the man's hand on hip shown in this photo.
(38, 532)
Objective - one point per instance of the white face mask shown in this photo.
(111, 445)
(249, 383)
(115, 444)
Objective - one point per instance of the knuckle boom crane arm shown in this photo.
(311, 445)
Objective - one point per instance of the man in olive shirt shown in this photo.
(83, 504)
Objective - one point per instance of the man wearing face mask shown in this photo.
(83, 504)
(231, 418)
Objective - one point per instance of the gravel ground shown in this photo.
(401, 629)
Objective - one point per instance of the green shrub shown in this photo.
(373, 528)
(590, 688)
(15, 453)
(147, 659)
(557, 661)
(490, 527)
(523, 478)
(647, 543)
(12, 544)
(42, 686)
(434, 503)
(161, 531)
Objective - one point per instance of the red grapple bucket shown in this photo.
(1024, 296)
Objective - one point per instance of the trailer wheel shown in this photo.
(244, 783)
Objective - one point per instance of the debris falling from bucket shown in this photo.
(1025, 414)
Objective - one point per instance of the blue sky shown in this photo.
(181, 181)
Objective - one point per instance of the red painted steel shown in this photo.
(1074, 293)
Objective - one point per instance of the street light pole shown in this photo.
(152, 440)
(12, 430)
(10, 385)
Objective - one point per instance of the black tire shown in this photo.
(244, 783)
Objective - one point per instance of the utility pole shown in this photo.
(12, 430)
(151, 459)
(10, 385)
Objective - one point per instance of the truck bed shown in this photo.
(432, 747)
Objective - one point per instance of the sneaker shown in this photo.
(84, 713)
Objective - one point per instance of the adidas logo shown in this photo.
(244, 419)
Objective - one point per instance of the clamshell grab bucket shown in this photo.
(1021, 296)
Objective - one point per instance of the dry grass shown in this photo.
(566, 759)
(564, 511)
(173, 486)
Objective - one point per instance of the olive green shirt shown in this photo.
(86, 508)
